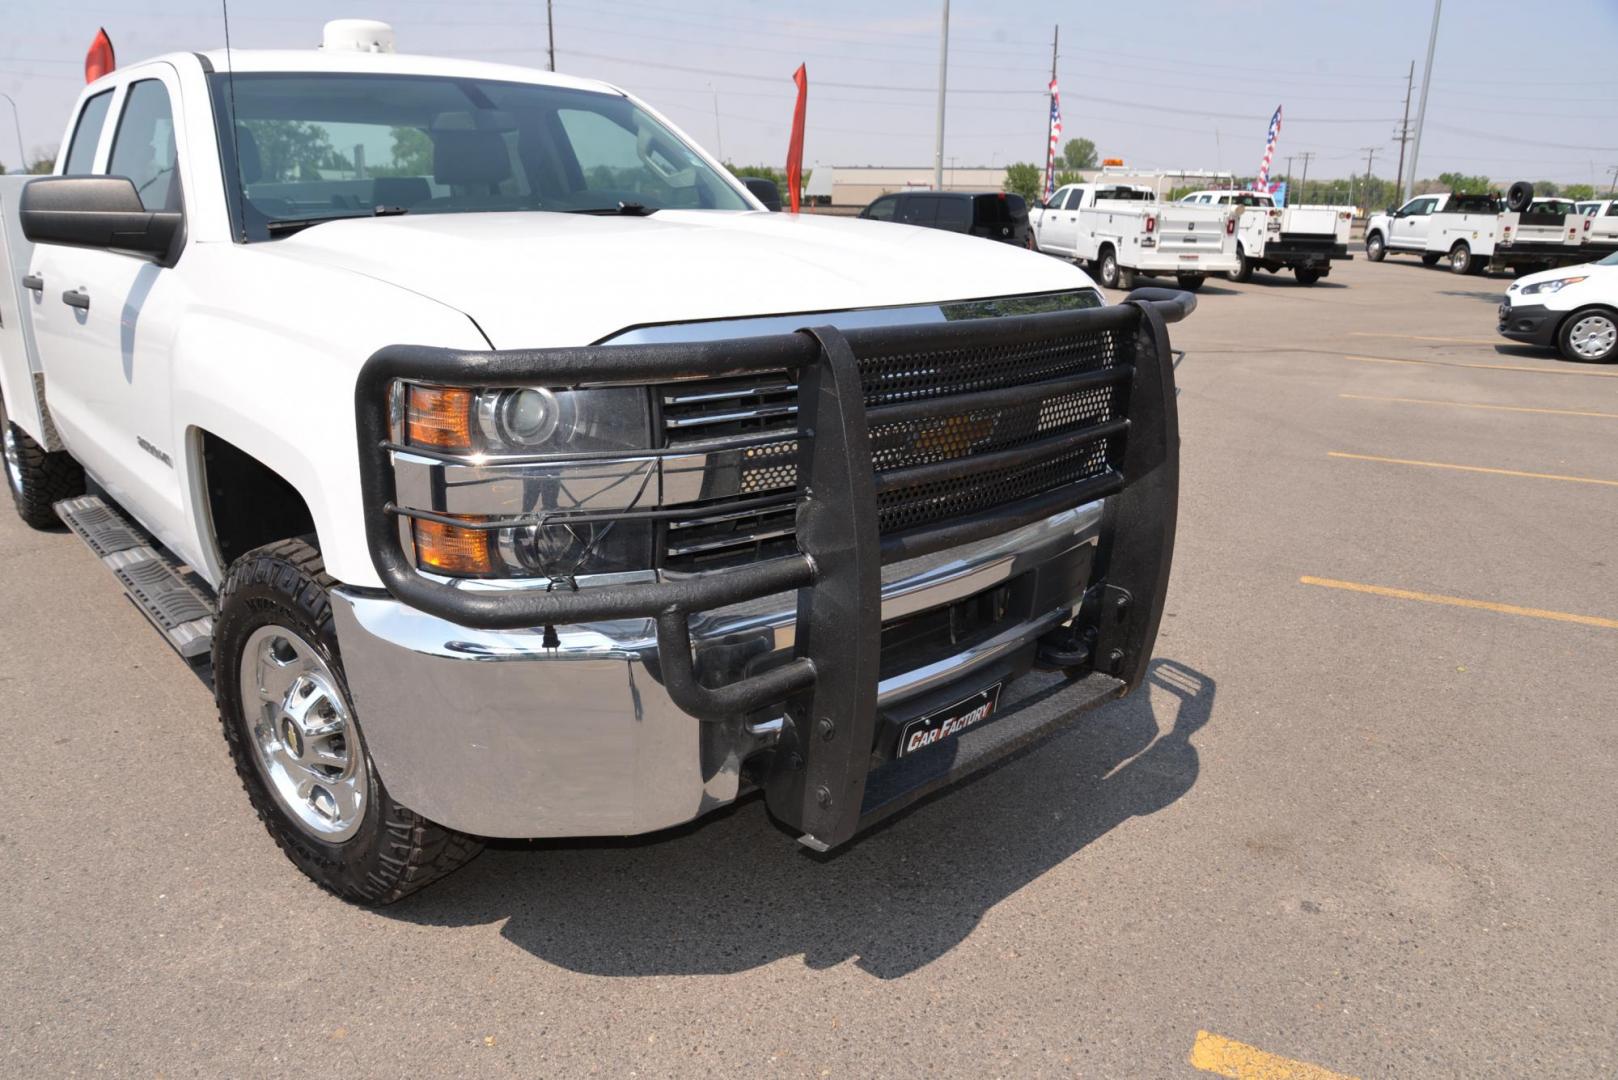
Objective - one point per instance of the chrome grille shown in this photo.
(748, 508)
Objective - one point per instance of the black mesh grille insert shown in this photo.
(731, 408)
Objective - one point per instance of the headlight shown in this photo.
(526, 420)
(552, 551)
(1554, 285)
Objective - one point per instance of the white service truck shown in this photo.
(1602, 235)
(1123, 232)
(1303, 239)
(468, 421)
(1478, 232)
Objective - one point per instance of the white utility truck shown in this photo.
(1602, 235)
(513, 473)
(1122, 231)
(1478, 232)
(1303, 239)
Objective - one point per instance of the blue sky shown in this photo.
(1170, 84)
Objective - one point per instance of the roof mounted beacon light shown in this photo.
(357, 35)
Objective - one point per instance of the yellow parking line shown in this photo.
(1472, 468)
(1422, 337)
(1227, 1057)
(1461, 601)
(1570, 370)
(1480, 405)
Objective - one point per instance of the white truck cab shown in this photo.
(1123, 231)
(1403, 230)
(467, 419)
(1304, 239)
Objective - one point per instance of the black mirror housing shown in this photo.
(95, 212)
(764, 190)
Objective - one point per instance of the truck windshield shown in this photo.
(311, 147)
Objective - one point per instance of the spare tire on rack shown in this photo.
(1518, 196)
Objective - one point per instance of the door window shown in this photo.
(143, 148)
(918, 210)
(882, 209)
(1420, 207)
(953, 214)
(1074, 196)
(81, 150)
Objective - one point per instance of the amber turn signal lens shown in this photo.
(452, 549)
(439, 417)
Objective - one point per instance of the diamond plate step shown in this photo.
(180, 608)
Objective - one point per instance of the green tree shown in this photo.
(43, 164)
(1023, 178)
(1579, 192)
(1461, 184)
(1067, 176)
(1079, 154)
(293, 150)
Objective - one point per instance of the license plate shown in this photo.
(951, 720)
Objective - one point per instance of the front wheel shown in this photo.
(1190, 282)
(37, 478)
(1307, 275)
(290, 724)
(1589, 336)
(1376, 249)
(1029, 241)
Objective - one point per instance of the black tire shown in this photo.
(1431, 258)
(1519, 195)
(1604, 320)
(1460, 258)
(1244, 267)
(1030, 241)
(394, 851)
(37, 478)
(1376, 248)
(1190, 282)
(1126, 278)
(1107, 270)
(1308, 275)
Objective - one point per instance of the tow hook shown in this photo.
(1064, 647)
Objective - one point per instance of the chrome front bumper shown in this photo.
(496, 734)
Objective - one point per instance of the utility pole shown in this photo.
(1289, 174)
(1370, 153)
(718, 140)
(1421, 110)
(1613, 169)
(943, 72)
(550, 33)
(1303, 181)
(22, 155)
(1404, 126)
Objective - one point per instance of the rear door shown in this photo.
(108, 320)
(918, 210)
(952, 212)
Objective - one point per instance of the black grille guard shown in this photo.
(836, 569)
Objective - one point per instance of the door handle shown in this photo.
(76, 299)
(33, 282)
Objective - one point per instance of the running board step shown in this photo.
(175, 602)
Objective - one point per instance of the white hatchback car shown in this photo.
(1573, 308)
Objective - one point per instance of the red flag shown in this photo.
(99, 60)
(795, 147)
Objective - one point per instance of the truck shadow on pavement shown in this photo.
(730, 893)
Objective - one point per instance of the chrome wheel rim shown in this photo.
(1109, 271)
(1593, 336)
(303, 734)
(1373, 245)
(13, 452)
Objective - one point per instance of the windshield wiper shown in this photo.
(623, 209)
(287, 226)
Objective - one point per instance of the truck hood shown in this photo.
(546, 279)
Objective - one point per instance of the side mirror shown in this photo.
(764, 190)
(1392, 211)
(95, 212)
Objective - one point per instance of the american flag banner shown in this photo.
(1262, 183)
(1056, 138)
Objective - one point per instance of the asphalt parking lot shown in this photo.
(1362, 821)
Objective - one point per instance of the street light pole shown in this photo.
(943, 71)
(1421, 110)
(22, 155)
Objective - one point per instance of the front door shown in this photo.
(105, 324)
(1409, 229)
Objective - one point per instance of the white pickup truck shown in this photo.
(1602, 235)
(519, 475)
(1404, 230)
(1303, 239)
(1122, 231)
(1478, 232)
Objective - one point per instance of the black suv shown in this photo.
(993, 214)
